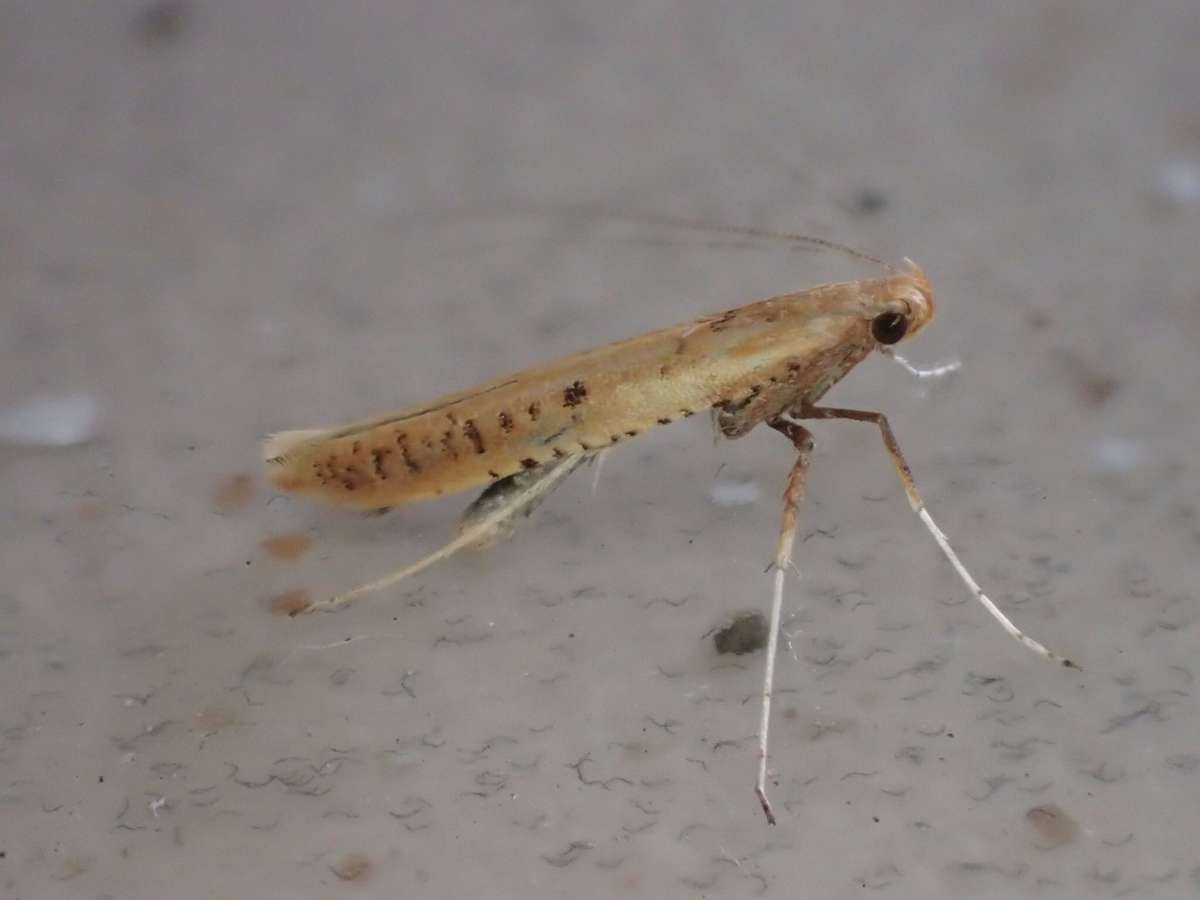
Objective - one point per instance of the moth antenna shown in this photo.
(789, 237)
(666, 221)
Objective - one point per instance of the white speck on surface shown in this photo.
(377, 192)
(270, 332)
(1118, 454)
(52, 421)
(1179, 181)
(728, 493)
(396, 760)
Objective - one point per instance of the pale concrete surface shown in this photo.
(225, 222)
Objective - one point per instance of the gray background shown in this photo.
(227, 218)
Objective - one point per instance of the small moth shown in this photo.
(768, 363)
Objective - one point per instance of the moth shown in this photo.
(766, 363)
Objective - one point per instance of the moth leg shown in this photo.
(918, 505)
(734, 419)
(514, 497)
(793, 493)
(488, 519)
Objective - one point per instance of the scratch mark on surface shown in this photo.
(573, 851)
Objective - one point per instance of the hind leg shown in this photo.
(514, 498)
(489, 519)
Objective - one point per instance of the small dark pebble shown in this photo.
(746, 633)
(162, 22)
(869, 201)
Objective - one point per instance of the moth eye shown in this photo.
(889, 328)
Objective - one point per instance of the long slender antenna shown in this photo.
(745, 231)
(665, 221)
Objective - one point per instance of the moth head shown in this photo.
(906, 306)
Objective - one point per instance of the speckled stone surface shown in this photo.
(223, 218)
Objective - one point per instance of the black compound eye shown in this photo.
(889, 328)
